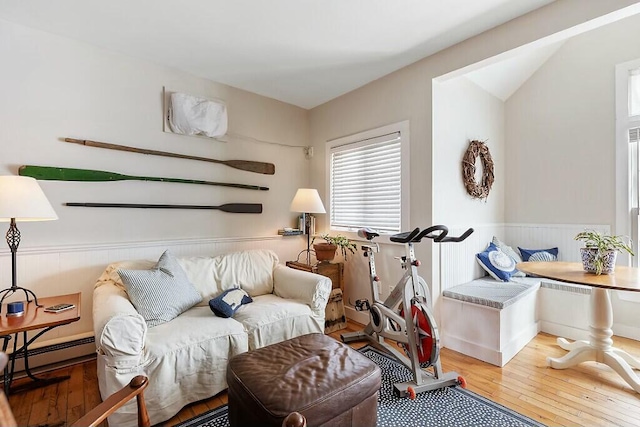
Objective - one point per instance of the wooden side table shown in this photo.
(34, 317)
(335, 318)
(334, 271)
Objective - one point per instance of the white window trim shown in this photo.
(405, 142)
(624, 222)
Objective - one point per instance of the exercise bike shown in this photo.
(415, 329)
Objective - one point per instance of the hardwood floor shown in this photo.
(590, 394)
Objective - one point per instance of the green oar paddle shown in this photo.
(69, 174)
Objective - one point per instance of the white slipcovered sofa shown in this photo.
(186, 358)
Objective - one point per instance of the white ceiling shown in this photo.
(503, 78)
(304, 52)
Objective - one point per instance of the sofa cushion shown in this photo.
(161, 293)
(252, 270)
(270, 319)
(228, 302)
(201, 273)
(190, 330)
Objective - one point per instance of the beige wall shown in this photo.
(561, 131)
(53, 87)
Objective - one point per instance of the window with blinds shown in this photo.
(366, 184)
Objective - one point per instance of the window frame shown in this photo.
(359, 138)
(627, 162)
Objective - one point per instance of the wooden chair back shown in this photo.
(98, 414)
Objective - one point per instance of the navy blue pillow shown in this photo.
(228, 302)
(539, 254)
(498, 264)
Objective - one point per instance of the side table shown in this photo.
(335, 318)
(334, 271)
(34, 318)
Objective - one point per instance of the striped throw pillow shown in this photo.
(162, 293)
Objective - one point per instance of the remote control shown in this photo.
(58, 308)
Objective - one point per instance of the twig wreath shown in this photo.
(477, 190)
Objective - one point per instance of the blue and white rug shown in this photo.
(447, 407)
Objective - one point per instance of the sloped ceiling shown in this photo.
(503, 79)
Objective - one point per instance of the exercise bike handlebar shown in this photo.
(436, 232)
(460, 238)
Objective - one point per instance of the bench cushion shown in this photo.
(492, 293)
(566, 287)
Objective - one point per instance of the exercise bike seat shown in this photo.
(367, 233)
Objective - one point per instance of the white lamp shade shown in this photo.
(307, 200)
(22, 198)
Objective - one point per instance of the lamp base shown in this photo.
(12, 290)
(307, 259)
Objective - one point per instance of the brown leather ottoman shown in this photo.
(326, 381)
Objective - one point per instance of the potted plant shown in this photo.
(326, 251)
(600, 251)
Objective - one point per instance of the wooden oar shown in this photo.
(246, 165)
(69, 174)
(252, 208)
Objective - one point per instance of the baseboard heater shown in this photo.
(53, 356)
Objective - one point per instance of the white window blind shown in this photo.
(366, 184)
(634, 135)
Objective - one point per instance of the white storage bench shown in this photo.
(492, 321)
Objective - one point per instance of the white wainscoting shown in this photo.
(545, 236)
(60, 270)
(458, 260)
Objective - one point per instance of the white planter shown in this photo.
(589, 256)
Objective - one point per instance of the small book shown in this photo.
(292, 232)
(59, 307)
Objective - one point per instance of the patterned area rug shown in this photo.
(451, 406)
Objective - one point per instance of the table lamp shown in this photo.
(21, 199)
(307, 201)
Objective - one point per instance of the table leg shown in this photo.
(9, 372)
(567, 345)
(623, 369)
(5, 379)
(635, 363)
(600, 346)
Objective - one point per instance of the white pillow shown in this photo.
(509, 251)
(162, 293)
(499, 265)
